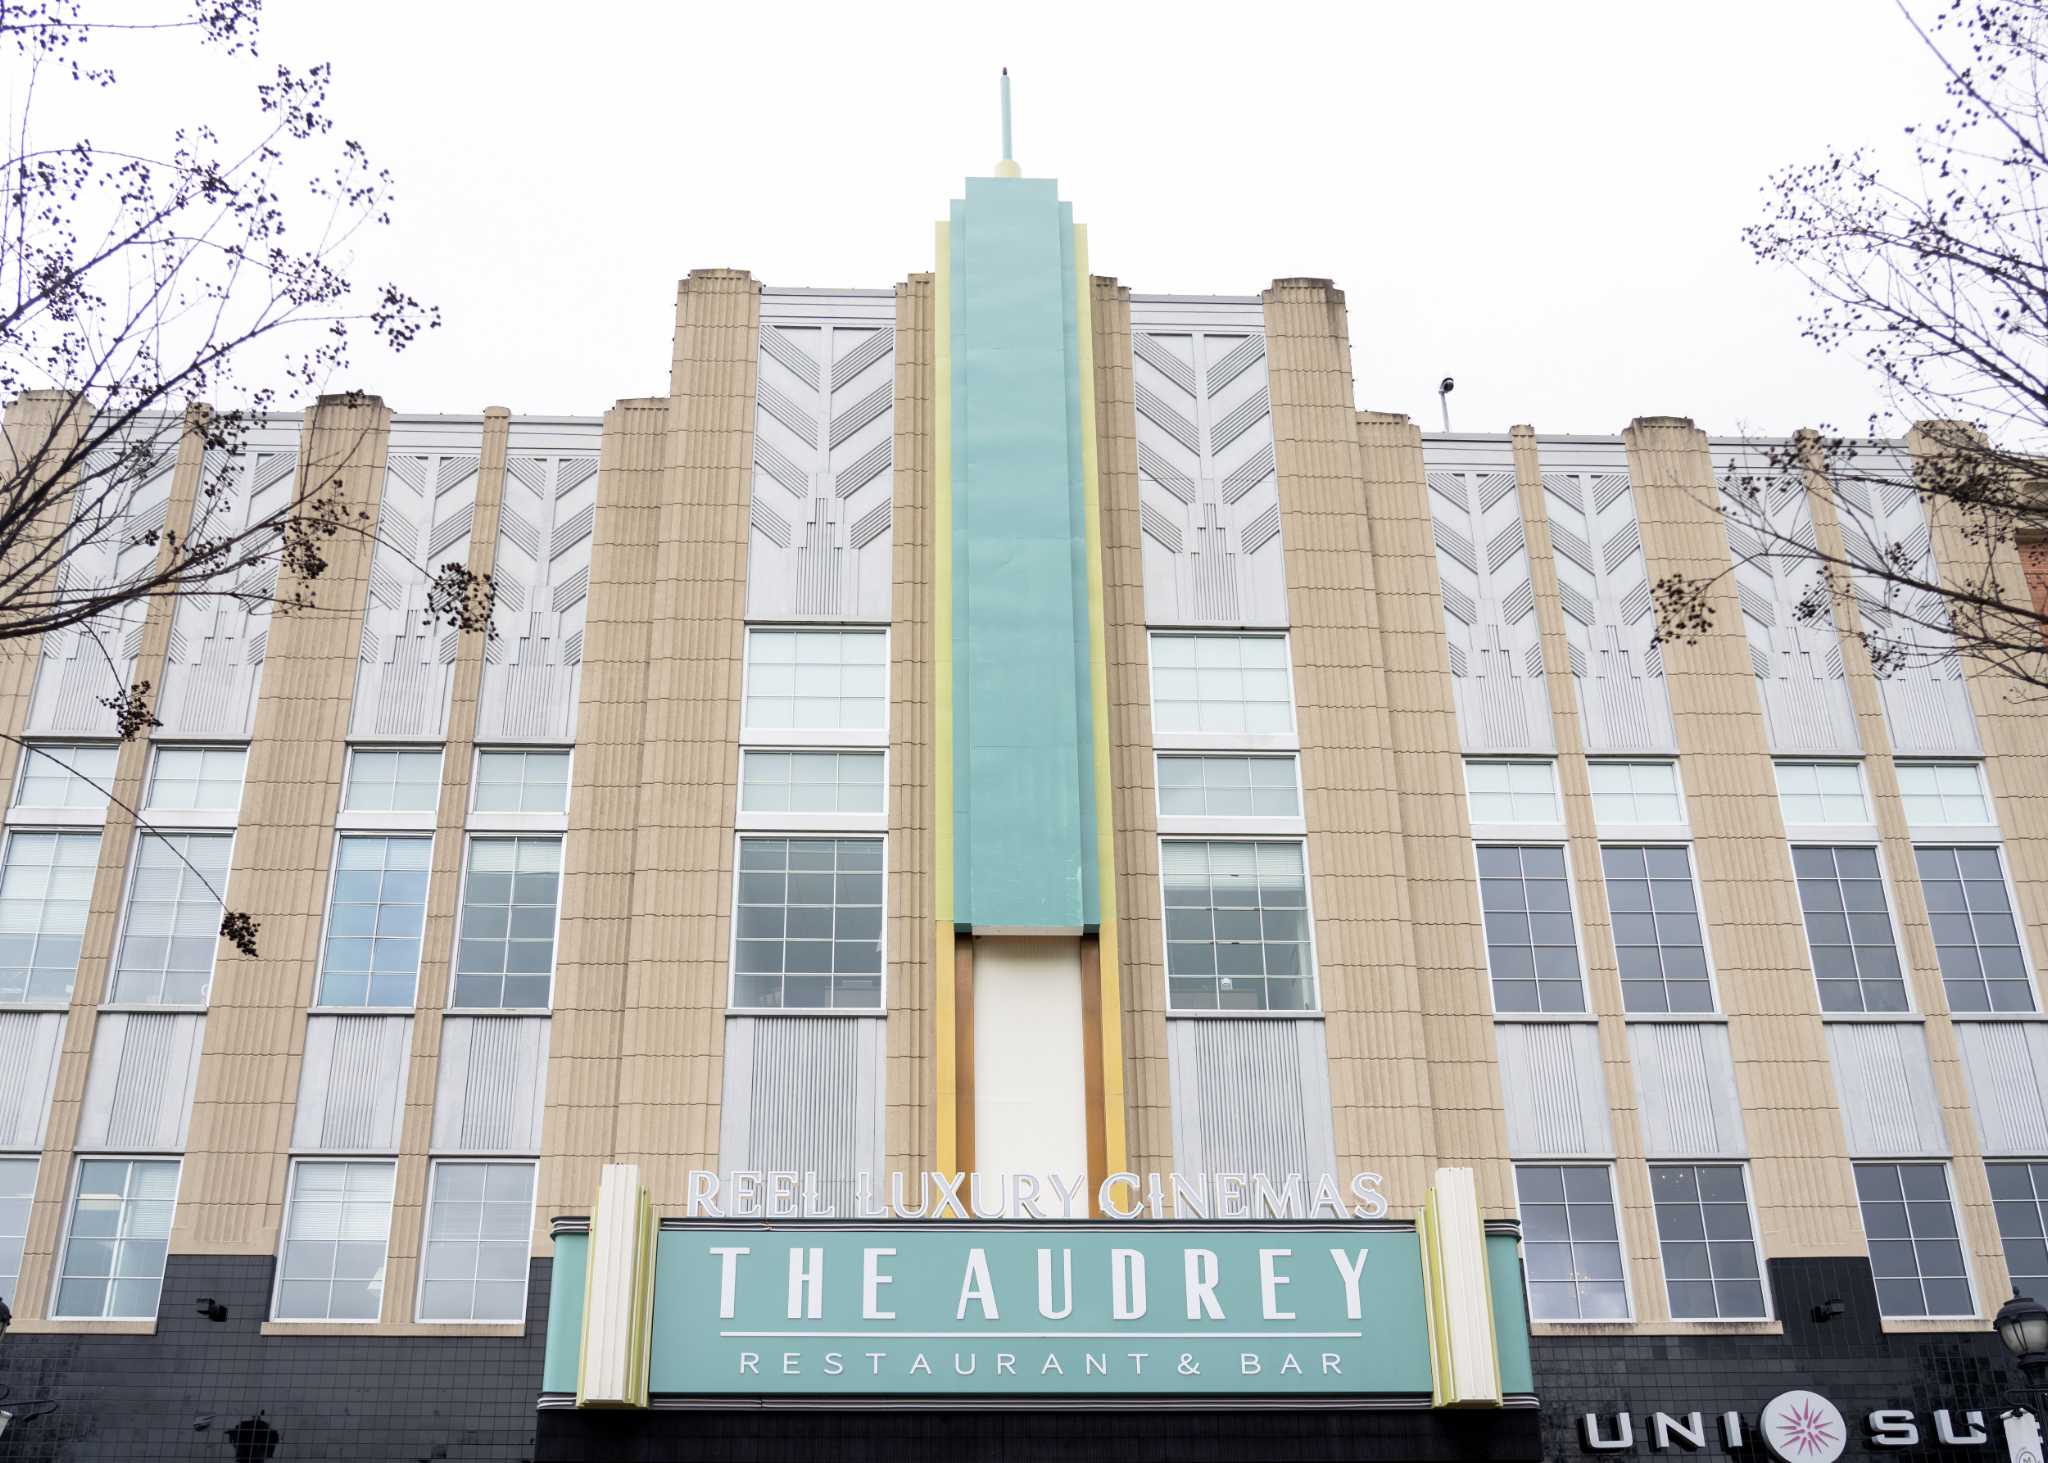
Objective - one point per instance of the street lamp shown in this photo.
(2022, 1324)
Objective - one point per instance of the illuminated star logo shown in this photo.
(1804, 1427)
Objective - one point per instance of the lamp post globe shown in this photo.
(2022, 1324)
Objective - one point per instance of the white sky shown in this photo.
(1542, 199)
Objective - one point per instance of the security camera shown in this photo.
(1446, 386)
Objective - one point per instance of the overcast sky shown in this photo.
(1543, 200)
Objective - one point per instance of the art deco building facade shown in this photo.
(1012, 724)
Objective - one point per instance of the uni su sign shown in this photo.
(1805, 1427)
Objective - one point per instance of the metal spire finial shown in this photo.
(1007, 168)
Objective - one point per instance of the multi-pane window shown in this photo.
(173, 920)
(505, 954)
(811, 782)
(120, 1229)
(45, 891)
(1237, 927)
(1531, 948)
(1221, 685)
(1915, 1252)
(374, 921)
(1849, 929)
(1657, 936)
(336, 1229)
(817, 680)
(808, 925)
(1635, 792)
(1571, 1243)
(2019, 1192)
(522, 782)
(1710, 1260)
(393, 780)
(198, 779)
(1228, 787)
(70, 775)
(478, 1220)
(17, 1189)
(1975, 935)
(1821, 792)
(1512, 792)
(1938, 794)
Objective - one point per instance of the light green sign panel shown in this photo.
(1039, 1310)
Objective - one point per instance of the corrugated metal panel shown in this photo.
(1887, 1089)
(352, 1083)
(2006, 1066)
(1551, 1085)
(1685, 1090)
(803, 1094)
(30, 1041)
(138, 1091)
(1251, 1097)
(491, 1083)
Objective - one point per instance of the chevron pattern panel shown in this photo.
(1926, 705)
(1482, 556)
(533, 660)
(214, 664)
(72, 670)
(1799, 667)
(824, 424)
(1208, 500)
(407, 667)
(1603, 585)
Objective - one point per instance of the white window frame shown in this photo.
(419, 1292)
(1552, 830)
(2019, 924)
(461, 901)
(1831, 833)
(1961, 833)
(34, 1159)
(759, 822)
(284, 1229)
(1225, 825)
(1611, 831)
(1628, 1289)
(732, 944)
(7, 837)
(192, 819)
(26, 816)
(1313, 1011)
(817, 737)
(1571, 894)
(1891, 910)
(477, 820)
(109, 1001)
(1756, 1241)
(78, 1160)
(1718, 1013)
(1219, 741)
(1963, 1238)
(381, 820)
(318, 1008)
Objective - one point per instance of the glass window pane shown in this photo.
(1919, 1266)
(505, 958)
(393, 780)
(1657, 952)
(336, 1230)
(66, 775)
(1707, 1281)
(1512, 792)
(1238, 913)
(1542, 940)
(1571, 1242)
(1848, 929)
(816, 680)
(375, 914)
(1221, 684)
(479, 1220)
(811, 782)
(1821, 792)
(522, 781)
(45, 888)
(810, 937)
(208, 778)
(115, 1241)
(172, 924)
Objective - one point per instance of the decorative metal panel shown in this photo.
(533, 663)
(1551, 1085)
(1798, 661)
(1603, 585)
(1685, 1090)
(1926, 705)
(492, 1084)
(407, 666)
(138, 1090)
(1887, 1088)
(1482, 558)
(1208, 500)
(28, 1076)
(804, 1094)
(824, 425)
(214, 663)
(352, 1084)
(2006, 1066)
(1251, 1097)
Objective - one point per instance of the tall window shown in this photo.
(17, 1191)
(66, 775)
(113, 1262)
(505, 956)
(479, 1217)
(2019, 1192)
(203, 779)
(817, 680)
(808, 926)
(337, 1227)
(1224, 685)
(173, 921)
(1635, 792)
(374, 921)
(1531, 948)
(1976, 938)
(1657, 935)
(1849, 930)
(45, 893)
(1571, 1242)
(1711, 1270)
(517, 781)
(1511, 792)
(393, 780)
(1237, 928)
(1916, 1253)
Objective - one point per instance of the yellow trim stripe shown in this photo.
(1112, 1054)
(944, 1046)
